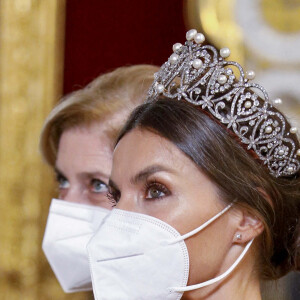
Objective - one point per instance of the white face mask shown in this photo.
(135, 256)
(69, 228)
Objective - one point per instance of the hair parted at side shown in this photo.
(109, 94)
(237, 174)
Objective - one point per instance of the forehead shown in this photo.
(84, 146)
(89, 137)
(141, 148)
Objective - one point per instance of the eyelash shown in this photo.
(111, 199)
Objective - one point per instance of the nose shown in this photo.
(127, 203)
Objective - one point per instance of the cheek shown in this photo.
(207, 251)
(208, 248)
(105, 204)
(166, 209)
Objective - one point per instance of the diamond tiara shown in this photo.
(200, 75)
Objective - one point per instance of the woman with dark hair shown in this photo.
(207, 189)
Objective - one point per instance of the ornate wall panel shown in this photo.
(31, 48)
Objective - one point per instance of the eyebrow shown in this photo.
(148, 171)
(85, 174)
(142, 175)
(93, 174)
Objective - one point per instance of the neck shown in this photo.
(242, 283)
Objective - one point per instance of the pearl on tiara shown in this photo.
(250, 74)
(277, 101)
(268, 129)
(293, 130)
(174, 58)
(248, 104)
(222, 79)
(176, 47)
(199, 38)
(160, 88)
(197, 63)
(225, 52)
(191, 34)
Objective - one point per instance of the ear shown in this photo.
(249, 227)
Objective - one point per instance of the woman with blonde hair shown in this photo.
(99, 110)
(77, 141)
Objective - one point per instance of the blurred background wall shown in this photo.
(31, 65)
(51, 47)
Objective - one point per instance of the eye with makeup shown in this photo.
(155, 190)
(98, 186)
(152, 190)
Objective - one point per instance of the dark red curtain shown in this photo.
(104, 34)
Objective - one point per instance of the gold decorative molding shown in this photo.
(282, 15)
(217, 21)
(31, 65)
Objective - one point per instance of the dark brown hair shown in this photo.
(275, 201)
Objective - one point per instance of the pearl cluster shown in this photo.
(250, 103)
(224, 81)
(202, 76)
(192, 34)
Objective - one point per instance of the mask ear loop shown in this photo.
(193, 232)
(214, 280)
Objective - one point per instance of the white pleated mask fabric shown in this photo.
(138, 257)
(69, 228)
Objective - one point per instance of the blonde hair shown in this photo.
(107, 95)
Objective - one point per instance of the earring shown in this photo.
(238, 236)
